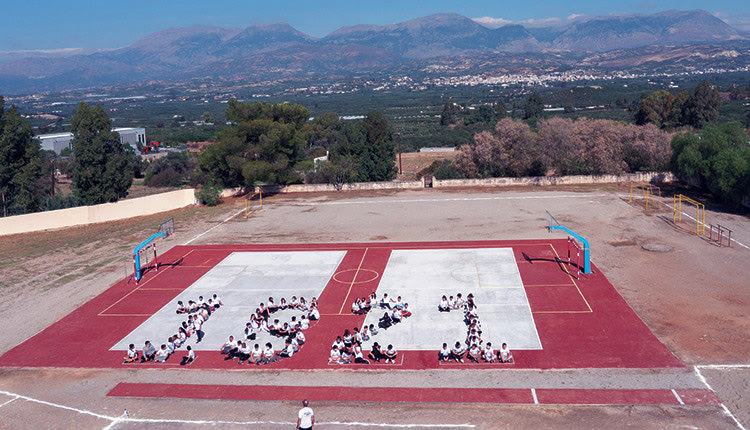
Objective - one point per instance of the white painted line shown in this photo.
(217, 225)
(726, 410)
(731, 415)
(456, 199)
(123, 419)
(533, 394)
(723, 366)
(677, 396)
(14, 398)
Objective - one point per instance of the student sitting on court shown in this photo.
(288, 350)
(474, 353)
(405, 312)
(192, 306)
(300, 337)
(181, 309)
(170, 345)
(391, 354)
(396, 315)
(273, 327)
(460, 302)
(355, 307)
(211, 306)
(303, 305)
(189, 358)
(488, 354)
(346, 357)
(264, 312)
(376, 354)
(304, 323)
(335, 356)
(148, 353)
(338, 344)
(399, 303)
(295, 345)
(272, 307)
(255, 355)
(132, 355)
(357, 336)
(470, 301)
(314, 315)
(198, 322)
(181, 336)
(162, 354)
(293, 303)
(458, 352)
(284, 330)
(385, 321)
(244, 353)
(445, 353)
(250, 332)
(365, 334)
(385, 302)
(373, 330)
(283, 305)
(229, 345)
(504, 355)
(217, 302)
(347, 338)
(269, 355)
(444, 306)
(358, 357)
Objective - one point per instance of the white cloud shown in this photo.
(491, 22)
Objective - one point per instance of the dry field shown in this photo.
(695, 298)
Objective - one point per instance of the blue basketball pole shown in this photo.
(137, 256)
(586, 260)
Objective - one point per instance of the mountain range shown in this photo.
(268, 50)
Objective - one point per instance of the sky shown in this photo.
(105, 24)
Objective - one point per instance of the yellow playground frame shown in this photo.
(700, 214)
(649, 192)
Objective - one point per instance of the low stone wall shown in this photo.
(326, 188)
(82, 215)
(656, 177)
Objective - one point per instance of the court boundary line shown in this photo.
(354, 279)
(125, 418)
(727, 412)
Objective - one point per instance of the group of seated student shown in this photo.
(300, 305)
(473, 349)
(198, 313)
(396, 312)
(260, 320)
(194, 306)
(451, 304)
(243, 353)
(348, 348)
(364, 305)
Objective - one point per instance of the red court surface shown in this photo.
(582, 323)
(418, 395)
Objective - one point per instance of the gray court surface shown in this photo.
(242, 281)
(422, 277)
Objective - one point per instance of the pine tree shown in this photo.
(103, 169)
(20, 164)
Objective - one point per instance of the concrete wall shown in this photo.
(123, 209)
(656, 177)
(325, 188)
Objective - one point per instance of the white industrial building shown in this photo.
(59, 141)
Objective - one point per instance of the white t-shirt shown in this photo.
(304, 324)
(445, 352)
(305, 417)
(505, 353)
(290, 350)
(315, 314)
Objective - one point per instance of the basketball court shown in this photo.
(527, 296)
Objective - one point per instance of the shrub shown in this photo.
(209, 194)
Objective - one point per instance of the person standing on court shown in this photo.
(305, 418)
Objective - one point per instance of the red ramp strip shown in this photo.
(414, 395)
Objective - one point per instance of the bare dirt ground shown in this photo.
(414, 162)
(694, 298)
